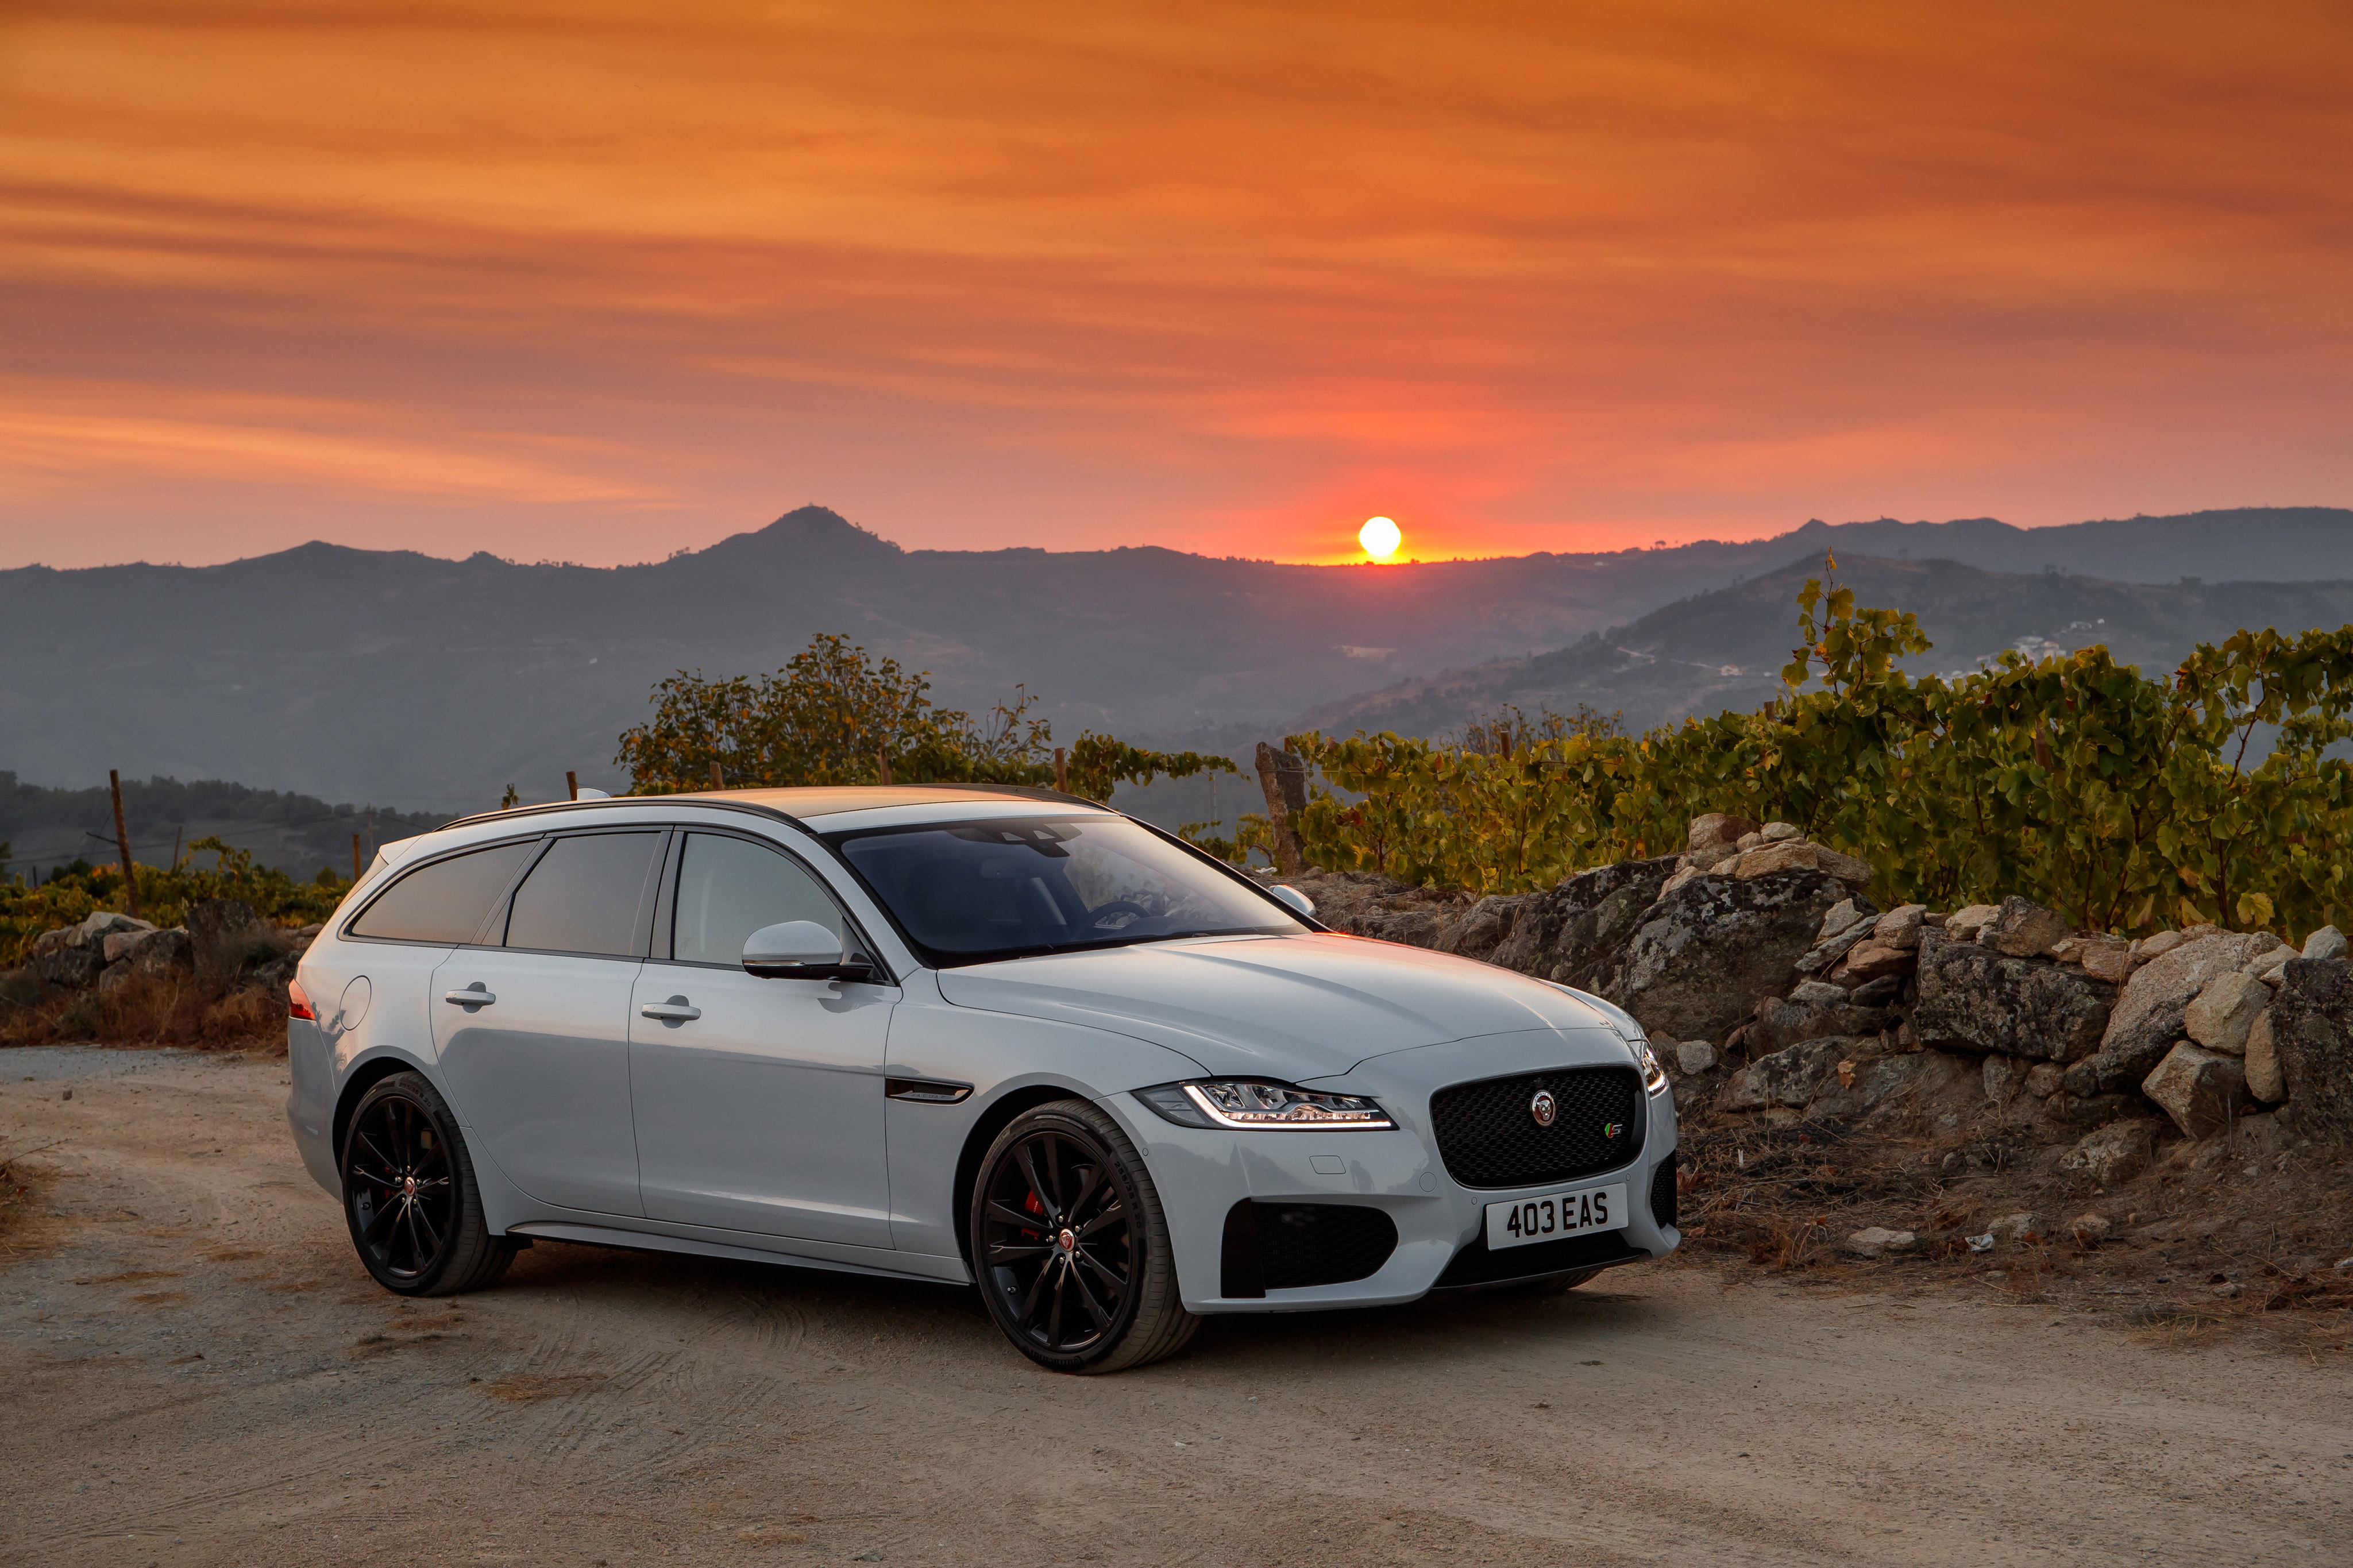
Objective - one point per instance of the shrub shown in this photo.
(2127, 803)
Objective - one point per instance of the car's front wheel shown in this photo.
(409, 1196)
(1070, 1245)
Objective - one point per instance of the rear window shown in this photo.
(584, 895)
(446, 902)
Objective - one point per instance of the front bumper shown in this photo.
(1202, 1174)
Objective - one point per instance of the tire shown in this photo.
(1070, 1245)
(409, 1197)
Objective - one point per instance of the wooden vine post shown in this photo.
(122, 844)
(1283, 777)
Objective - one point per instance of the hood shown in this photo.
(1288, 1007)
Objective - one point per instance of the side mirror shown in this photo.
(1294, 901)
(799, 950)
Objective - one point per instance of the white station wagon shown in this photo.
(993, 1036)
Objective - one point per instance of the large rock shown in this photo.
(1792, 1077)
(1900, 927)
(97, 927)
(1874, 959)
(2106, 958)
(1484, 927)
(2312, 1032)
(1366, 903)
(2023, 929)
(2198, 1087)
(2325, 943)
(1834, 945)
(228, 938)
(1885, 1083)
(70, 965)
(2151, 1012)
(2265, 1081)
(159, 953)
(1964, 923)
(1878, 1241)
(1798, 854)
(1973, 998)
(1843, 916)
(1716, 830)
(1574, 933)
(1703, 954)
(2113, 1154)
(1808, 1013)
(2224, 1008)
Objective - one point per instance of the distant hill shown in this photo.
(424, 683)
(1725, 649)
(45, 828)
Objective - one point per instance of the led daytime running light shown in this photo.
(1270, 1105)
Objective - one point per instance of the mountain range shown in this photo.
(417, 682)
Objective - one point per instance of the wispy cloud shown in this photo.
(541, 278)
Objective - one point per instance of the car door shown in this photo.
(540, 1063)
(759, 1102)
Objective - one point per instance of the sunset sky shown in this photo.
(599, 282)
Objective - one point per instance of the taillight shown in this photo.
(298, 1001)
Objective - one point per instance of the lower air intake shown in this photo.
(1290, 1247)
(1663, 1191)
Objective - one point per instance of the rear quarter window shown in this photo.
(445, 901)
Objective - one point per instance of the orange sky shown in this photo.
(599, 281)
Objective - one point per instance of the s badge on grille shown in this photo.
(1611, 1128)
(1542, 1108)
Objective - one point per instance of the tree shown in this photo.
(835, 716)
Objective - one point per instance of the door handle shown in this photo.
(474, 995)
(674, 1011)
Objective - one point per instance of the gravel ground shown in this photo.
(197, 1370)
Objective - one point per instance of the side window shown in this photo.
(445, 901)
(728, 889)
(584, 895)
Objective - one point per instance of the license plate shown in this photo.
(1551, 1218)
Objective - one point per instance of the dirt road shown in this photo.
(197, 1370)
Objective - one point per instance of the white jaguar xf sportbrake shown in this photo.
(997, 1036)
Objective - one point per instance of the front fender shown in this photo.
(1011, 1062)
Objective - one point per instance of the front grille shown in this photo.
(1475, 1265)
(1489, 1137)
(1662, 1193)
(1288, 1246)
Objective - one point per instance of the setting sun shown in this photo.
(1380, 538)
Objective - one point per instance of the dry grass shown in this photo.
(148, 1011)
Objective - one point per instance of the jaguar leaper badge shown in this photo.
(1542, 1108)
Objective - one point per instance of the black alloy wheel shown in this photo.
(409, 1197)
(1070, 1245)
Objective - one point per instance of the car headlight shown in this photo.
(1654, 1072)
(1252, 1104)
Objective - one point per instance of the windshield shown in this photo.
(971, 891)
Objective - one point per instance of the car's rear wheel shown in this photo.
(408, 1193)
(1070, 1245)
